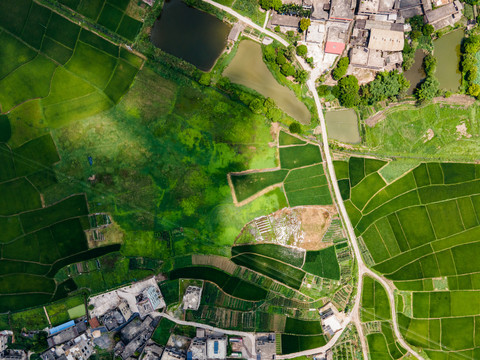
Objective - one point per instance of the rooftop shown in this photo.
(386, 40)
(342, 9)
(334, 47)
(285, 20)
(441, 12)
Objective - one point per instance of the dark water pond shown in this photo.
(416, 74)
(190, 34)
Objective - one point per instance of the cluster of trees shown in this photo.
(470, 47)
(419, 28)
(293, 9)
(387, 85)
(283, 58)
(341, 68)
(270, 4)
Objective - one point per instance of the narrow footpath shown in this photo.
(363, 270)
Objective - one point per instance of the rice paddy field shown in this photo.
(300, 175)
(111, 14)
(421, 231)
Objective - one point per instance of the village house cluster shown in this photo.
(371, 32)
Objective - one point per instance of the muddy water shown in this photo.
(190, 34)
(247, 68)
(447, 52)
(416, 74)
(342, 125)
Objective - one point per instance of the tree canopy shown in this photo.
(428, 89)
(347, 90)
(386, 85)
(341, 68)
(270, 4)
(304, 24)
(302, 50)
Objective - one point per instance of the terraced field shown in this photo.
(422, 231)
(301, 175)
(53, 73)
(110, 14)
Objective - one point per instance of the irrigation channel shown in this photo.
(190, 34)
(363, 270)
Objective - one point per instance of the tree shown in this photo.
(276, 28)
(257, 106)
(408, 56)
(270, 4)
(281, 59)
(347, 90)
(290, 52)
(304, 24)
(472, 74)
(295, 128)
(468, 61)
(341, 68)
(385, 85)
(301, 76)
(415, 34)
(474, 90)
(269, 103)
(471, 44)
(428, 29)
(324, 90)
(288, 69)
(205, 79)
(429, 64)
(428, 89)
(269, 53)
(302, 50)
(309, 61)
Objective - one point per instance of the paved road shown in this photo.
(362, 268)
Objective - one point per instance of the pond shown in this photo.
(447, 52)
(190, 34)
(247, 68)
(415, 74)
(342, 125)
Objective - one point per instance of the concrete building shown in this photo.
(192, 297)
(329, 318)
(79, 348)
(152, 351)
(171, 353)
(444, 16)
(265, 346)
(336, 38)
(410, 8)
(3, 342)
(11, 354)
(285, 21)
(386, 40)
(342, 10)
(68, 334)
(134, 336)
(216, 347)
(320, 9)
(149, 300)
(197, 349)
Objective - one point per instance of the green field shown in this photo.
(230, 284)
(247, 185)
(107, 13)
(296, 343)
(421, 231)
(323, 263)
(277, 270)
(285, 254)
(287, 139)
(404, 132)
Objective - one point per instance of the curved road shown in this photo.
(363, 270)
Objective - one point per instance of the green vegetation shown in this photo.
(249, 184)
(230, 284)
(296, 343)
(323, 263)
(341, 68)
(285, 254)
(420, 231)
(414, 123)
(163, 331)
(277, 270)
(109, 14)
(287, 139)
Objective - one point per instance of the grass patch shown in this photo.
(323, 263)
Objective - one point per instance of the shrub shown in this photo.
(474, 90)
(302, 50)
(288, 70)
(276, 28)
(281, 59)
(270, 4)
(341, 68)
(347, 89)
(304, 24)
(269, 53)
(429, 64)
(295, 128)
(301, 76)
(205, 79)
(428, 29)
(324, 90)
(256, 106)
